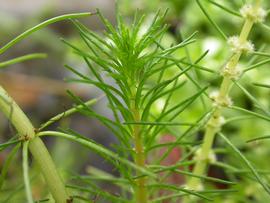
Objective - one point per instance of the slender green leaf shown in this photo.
(40, 26)
(22, 59)
(262, 85)
(259, 138)
(97, 148)
(68, 113)
(5, 167)
(246, 161)
(26, 178)
(251, 113)
(233, 12)
(211, 21)
(256, 65)
(177, 188)
(9, 143)
(252, 98)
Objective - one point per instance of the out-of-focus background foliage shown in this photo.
(39, 88)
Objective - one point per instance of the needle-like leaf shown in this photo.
(246, 161)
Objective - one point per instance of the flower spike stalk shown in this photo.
(39, 151)
(239, 45)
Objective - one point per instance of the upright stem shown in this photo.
(39, 151)
(141, 192)
(211, 130)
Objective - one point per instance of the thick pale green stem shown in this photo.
(36, 146)
(141, 192)
(211, 130)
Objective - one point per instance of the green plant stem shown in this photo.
(39, 151)
(141, 193)
(201, 164)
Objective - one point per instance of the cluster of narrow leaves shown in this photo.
(135, 59)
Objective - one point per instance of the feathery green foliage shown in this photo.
(155, 88)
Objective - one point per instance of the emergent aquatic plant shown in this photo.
(145, 80)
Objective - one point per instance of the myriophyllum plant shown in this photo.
(137, 70)
(136, 60)
(252, 14)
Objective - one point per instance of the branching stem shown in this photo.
(39, 151)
